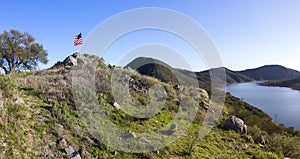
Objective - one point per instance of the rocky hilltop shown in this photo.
(40, 118)
(76, 59)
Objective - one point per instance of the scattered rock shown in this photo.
(49, 149)
(261, 141)
(167, 153)
(130, 134)
(144, 140)
(178, 88)
(51, 145)
(1, 104)
(60, 126)
(116, 105)
(138, 86)
(83, 152)
(69, 150)
(204, 106)
(261, 145)
(20, 101)
(236, 124)
(115, 153)
(177, 101)
(66, 78)
(72, 152)
(62, 143)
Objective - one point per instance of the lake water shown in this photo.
(283, 104)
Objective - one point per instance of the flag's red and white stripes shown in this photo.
(78, 40)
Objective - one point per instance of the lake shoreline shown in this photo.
(274, 84)
(270, 100)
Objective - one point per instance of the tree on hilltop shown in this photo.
(18, 51)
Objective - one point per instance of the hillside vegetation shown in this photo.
(291, 83)
(39, 119)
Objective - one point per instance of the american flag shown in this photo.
(78, 40)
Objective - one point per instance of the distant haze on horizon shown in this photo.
(247, 34)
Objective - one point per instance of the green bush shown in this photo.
(8, 86)
(256, 133)
(264, 155)
(63, 113)
(16, 111)
(289, 146)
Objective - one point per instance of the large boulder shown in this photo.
(70, 60)
(236, 124)
(78, 59)
(204, 102)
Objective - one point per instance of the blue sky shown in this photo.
(247, 34)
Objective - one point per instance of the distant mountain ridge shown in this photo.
(165, 73)
(271, 72)
(154, 68)
(162, 71)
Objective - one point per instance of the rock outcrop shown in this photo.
(77, 59)
(204, 101)
(236, 124)
(178, 88)
(137, 85)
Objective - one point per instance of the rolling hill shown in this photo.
(165, 73)
(162, 71)
(271, 72)
(41, 117)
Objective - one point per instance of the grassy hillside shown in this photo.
(39, 120)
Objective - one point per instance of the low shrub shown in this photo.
(8, 86)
